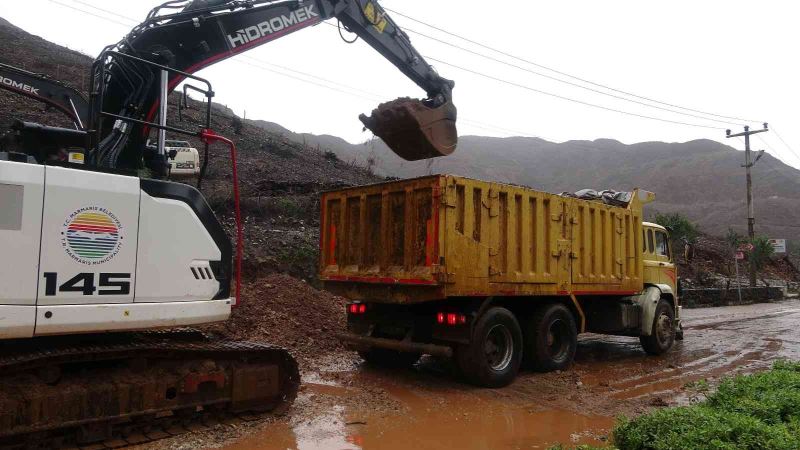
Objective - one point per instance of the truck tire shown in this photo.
(493, 356)
(662, 334)
(381, 357)
(551, 338)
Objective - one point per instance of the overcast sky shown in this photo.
(726, 57)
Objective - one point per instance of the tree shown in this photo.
(680, 227)
(734, 240)
(762, 250)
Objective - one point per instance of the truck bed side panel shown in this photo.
(449, 236)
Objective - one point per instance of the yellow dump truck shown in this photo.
(496, 276)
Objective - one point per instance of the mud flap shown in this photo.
(413, 130)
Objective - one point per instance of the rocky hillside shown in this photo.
(702, 179)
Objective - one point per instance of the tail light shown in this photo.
(357, 308)
(451, 319)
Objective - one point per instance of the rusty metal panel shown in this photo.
(466, 237)
(606, 248)
(386, 233)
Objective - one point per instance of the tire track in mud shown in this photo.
(753, 342)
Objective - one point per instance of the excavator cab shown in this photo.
(414, 130)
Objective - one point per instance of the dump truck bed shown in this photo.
(446, 236)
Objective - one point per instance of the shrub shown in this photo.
(680, 227)
(762, 250)
(760, 411)
(330, 156)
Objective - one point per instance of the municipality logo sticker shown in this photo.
(92, 235)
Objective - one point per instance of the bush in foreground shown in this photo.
(760, 411)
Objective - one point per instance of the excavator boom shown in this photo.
(192, 35)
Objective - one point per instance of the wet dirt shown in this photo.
(347, 405)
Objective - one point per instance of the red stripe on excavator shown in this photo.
(224, 55)
(380, 280)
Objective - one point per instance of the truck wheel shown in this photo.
(662, 334)
(381, 357)
(493, 356)
(551, 338)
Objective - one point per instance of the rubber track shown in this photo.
(41, 354)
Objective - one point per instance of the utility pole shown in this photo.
(748, 164)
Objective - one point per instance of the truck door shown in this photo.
(663, 254)
(89, 238)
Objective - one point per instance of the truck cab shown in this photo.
(659, 265)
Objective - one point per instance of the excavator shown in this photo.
(102, 270)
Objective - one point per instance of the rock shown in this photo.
(658, 402)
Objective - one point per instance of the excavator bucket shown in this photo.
(414, 130)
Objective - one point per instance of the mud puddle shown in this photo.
(347, 405)
(454, 420)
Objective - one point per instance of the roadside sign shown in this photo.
(746, 248)
(739, 256)
(779, 245)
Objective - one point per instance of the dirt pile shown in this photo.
(712, 265)
(287, 312)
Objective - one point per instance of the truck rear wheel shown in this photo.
(551, 338)
(381, 357)
(493, 356)
(662, 333)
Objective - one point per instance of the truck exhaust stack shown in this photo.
(413, 130)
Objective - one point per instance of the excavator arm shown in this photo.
(191, 35)
(41, 88)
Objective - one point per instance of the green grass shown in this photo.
(760, 411)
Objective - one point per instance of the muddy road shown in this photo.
(345, 405)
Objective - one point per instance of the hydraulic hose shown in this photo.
(208, 136)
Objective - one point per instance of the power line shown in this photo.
(549, 77)
(106, 11)
(289, 69)
(90, 13)
(261, 64)
(564, 73)
(258, 66)
(550, 94)
(484, 75)
(774, 130)
(771, 149)
(540, 91)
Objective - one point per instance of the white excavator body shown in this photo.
(86, 251)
